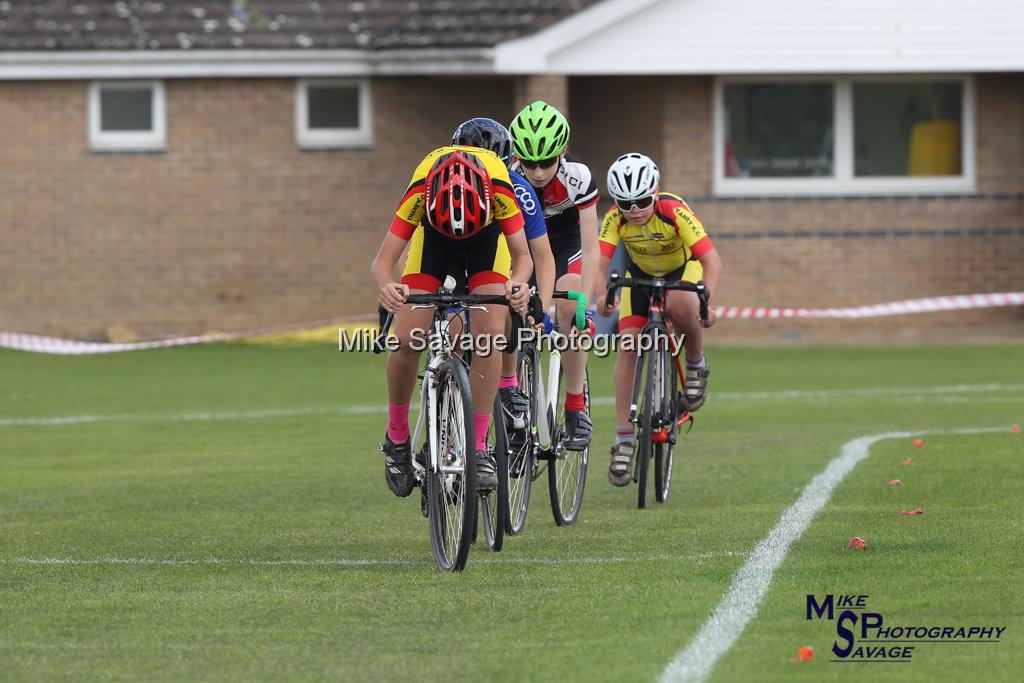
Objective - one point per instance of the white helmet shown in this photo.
(633, 176)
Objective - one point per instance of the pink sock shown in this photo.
(481, 423)
(506, 382)
(398, 423)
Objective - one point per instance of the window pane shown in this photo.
(902, 129)
(126, 109)
(778, 130)
(332, 106)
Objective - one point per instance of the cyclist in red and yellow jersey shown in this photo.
(665, 239)
(460, 204)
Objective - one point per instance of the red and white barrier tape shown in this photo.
(930, 305)
(71, 347)
(31, 342)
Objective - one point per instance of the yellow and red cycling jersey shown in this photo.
(412, 208)
(672, 237)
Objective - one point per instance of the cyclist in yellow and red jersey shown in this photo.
(663, 238)
(460, 204)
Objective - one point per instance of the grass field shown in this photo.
(219, 513)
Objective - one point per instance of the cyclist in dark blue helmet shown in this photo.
(489, 134)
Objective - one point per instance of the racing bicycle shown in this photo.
(657, 406)
(537, 444)
(444, 467)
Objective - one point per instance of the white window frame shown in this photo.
(333, 138)
(154, 139)
(843, 181)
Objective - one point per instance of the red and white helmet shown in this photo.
(459, 195)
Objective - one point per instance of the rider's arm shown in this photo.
(608, 240)
(522, 264)
(392, 293)
(522, 268)
(544, 268)
(712, 264)
(602, 291)
(591, 255)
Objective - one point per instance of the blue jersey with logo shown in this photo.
(529, 204)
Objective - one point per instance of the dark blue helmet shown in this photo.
(486, 133)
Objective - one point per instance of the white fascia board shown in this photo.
(722, 37)
(531, 54)
(136, 64)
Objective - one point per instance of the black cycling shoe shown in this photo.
(579, 429)
(398, 467)
(515, 405)
(486, 472)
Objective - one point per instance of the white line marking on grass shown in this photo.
(750, 584)
(816, 394)
(353, 562)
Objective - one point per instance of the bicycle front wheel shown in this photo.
(494, 504)
(520, 461)
(567, 472)
(664, 452)
(451, 489)
(650, 391)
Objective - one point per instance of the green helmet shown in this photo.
(539, 132)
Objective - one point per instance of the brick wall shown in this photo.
(821, 251)
(234, 227)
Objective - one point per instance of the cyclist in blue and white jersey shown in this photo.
(489, 134)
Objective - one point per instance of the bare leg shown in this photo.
(484, 373)
(574, 362)
(684, 310)
(625, 367)
(403, 363)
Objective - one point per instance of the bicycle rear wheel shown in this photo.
(567, 473)
(519, 473)
(494, 504)
(451, 490)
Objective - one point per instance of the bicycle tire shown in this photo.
(664, 453)
(645, 419)
(451, 494)
(494, 504)
(520, 461)
(567, 474)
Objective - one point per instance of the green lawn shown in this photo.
(219, 547)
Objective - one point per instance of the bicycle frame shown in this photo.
(439, 338)
(656, 328)
(549, 392)
(440, 348)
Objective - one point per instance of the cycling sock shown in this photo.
(574, 401)
(508, 381)
(398, 422)
(481, 423)
(623, 435)
(696, 363)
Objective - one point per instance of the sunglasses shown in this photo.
(543, 163)
(641, 204)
